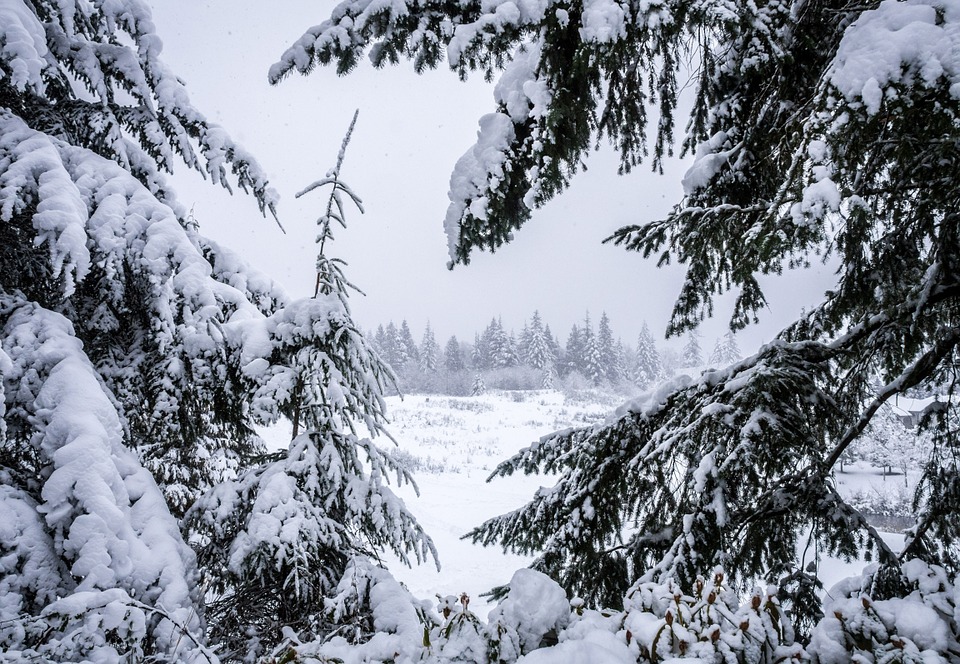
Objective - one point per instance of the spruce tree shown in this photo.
(725, 351)
(276, 542)
(574, 351)
(394, 352)
(429, 351)
(480, 354)
(479, 387)
(408, 347)
(607, 348)
(539, 354)
(647, 368)
(807, 140)
(692, 356)
(453, 356)
(554, 346)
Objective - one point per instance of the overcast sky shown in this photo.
(411, 131)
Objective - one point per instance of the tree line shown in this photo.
(535, 358)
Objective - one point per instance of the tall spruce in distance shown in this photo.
(607, 347)
(408, 347)
(574, 351)
(647, 369)
(692, 356)
(618, 370)
(726, 351)
(538, 353)
(276, 543)
(453, 356)
(480, 354)
(429, 351)
(806, 143)
(554, 347)
(591, 362)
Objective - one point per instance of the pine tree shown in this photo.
(539, 354)
(574, 351)
(725, 351)
(607, 348)
(479, 387)
(276, 542)
(408, 347)
(692, 355)
(480, 355)
(591, 359)
(555, 349)
(619, 366)
(453, 356)
(647, 369)
(503, 353)
(805, 143)
(429, 351)
(394, 352)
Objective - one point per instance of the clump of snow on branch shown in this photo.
(898, 44)
(131, 577)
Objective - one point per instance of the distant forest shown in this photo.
(534, 358)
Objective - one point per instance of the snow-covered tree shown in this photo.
(574, 350)
(807, 140)
(479, 387)
(538, 353)
(453, 356)
(647, 368)
(276, 542)
(888, 444)
(429, 351)
(591, 360)
(503, 353)
(692, 356)
(725, 351)
(405, 338)
(480, 353)
(607, 347)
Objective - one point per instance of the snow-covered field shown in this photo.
(452, 444)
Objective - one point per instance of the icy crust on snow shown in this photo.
(100, 514)
(901, 42)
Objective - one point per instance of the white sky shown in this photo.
(411, 131)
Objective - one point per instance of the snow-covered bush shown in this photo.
(921, 624)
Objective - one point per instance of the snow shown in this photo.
(535, 606)
(603, 21)
(477, 171)
(711, 156)
(23, 46)
(898, 43)
(103, 515)
(596, 647)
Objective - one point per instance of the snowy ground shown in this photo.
(453, 444)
